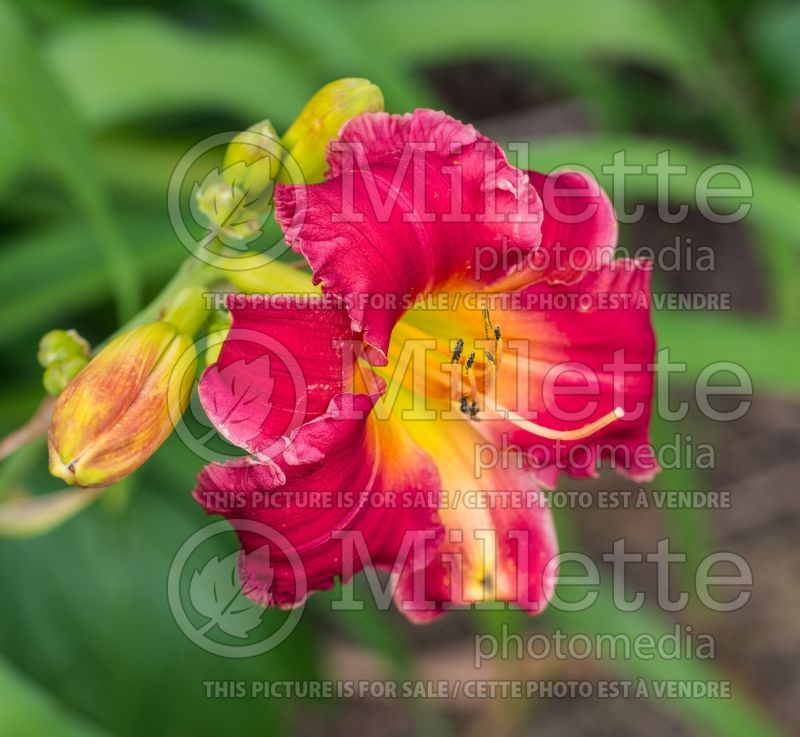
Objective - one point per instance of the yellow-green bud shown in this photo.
(116, 412)
(320, 121)
(58, 345)
(57, 375)
(229, 211)
(253, 159)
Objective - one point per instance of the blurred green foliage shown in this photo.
(98, 101)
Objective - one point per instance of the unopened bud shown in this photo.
(57, 375)
(116, 412)
(253, 159)
(58, 345)
(62, 354)
(320, 121)
(229, 212)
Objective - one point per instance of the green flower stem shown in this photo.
(187, 310)
(193, 272)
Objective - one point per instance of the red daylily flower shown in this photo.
(475, 338)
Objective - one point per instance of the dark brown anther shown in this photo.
(457, 352)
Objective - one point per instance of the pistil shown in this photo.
(470, 406)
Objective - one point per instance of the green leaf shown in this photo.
(106, 641)
(770, 353)
(343, 46)
(417, 31)
(126, 66)
(26, 709)
(37, 299)
(774, 35)
(11, 151)
(590, 34)
(54, 134)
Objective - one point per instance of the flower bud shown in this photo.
(116, 412)
(57, 375)
(253, 159)
(320, 121)
(229, 212)
(58, 345)
(62, 354)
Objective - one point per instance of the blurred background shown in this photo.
(99, 100)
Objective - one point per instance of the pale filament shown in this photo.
(550, 434)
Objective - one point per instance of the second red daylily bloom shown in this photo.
(475, 339)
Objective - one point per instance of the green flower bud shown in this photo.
(58, 345)
(253, 159)
(57, 375)
(229, 211)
